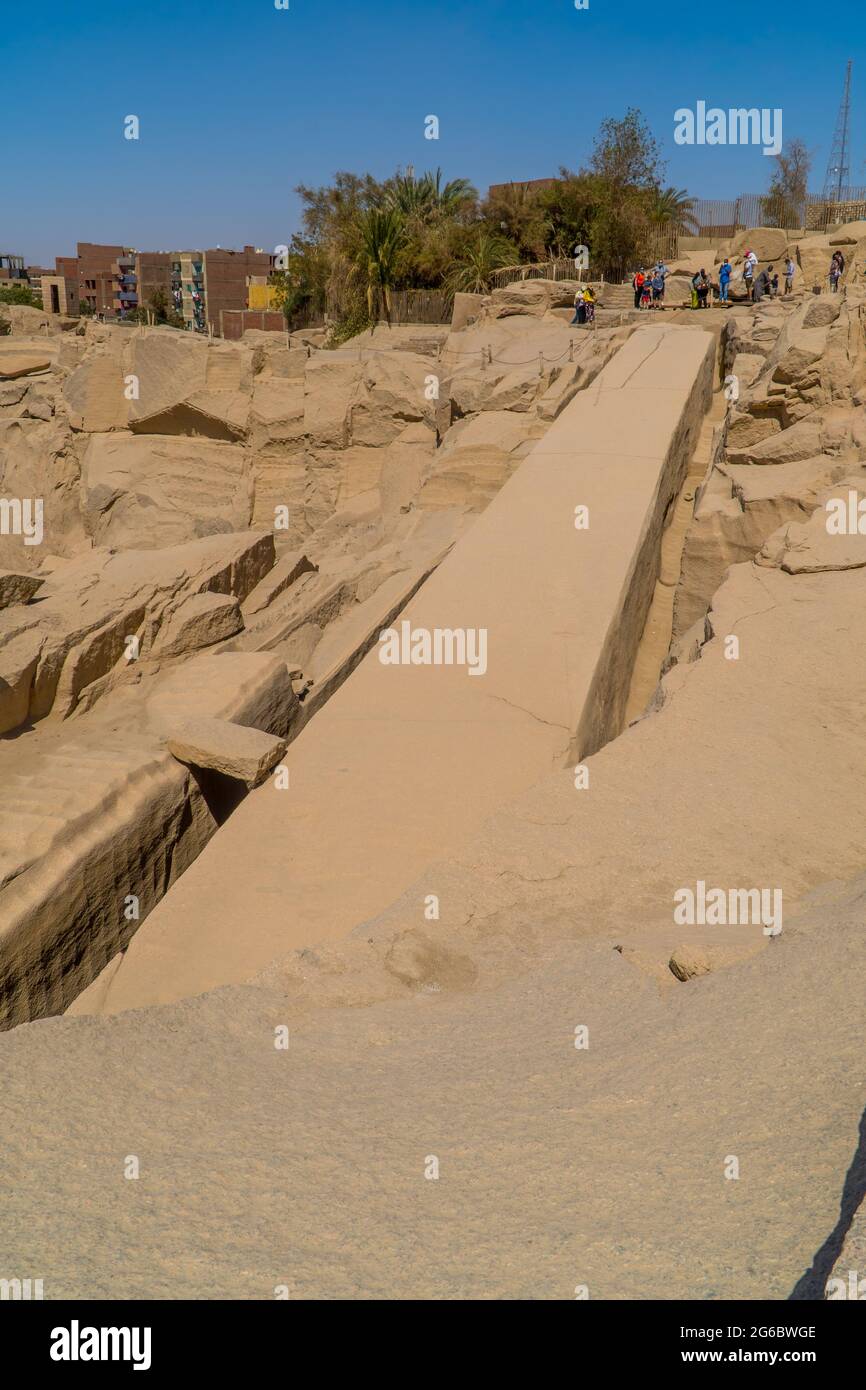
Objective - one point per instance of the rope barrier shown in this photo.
(503, 361)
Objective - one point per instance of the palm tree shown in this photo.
(408, 195)
(425, 196)
(673, 207)
(453, 197)
(474, 271)
(382, 233)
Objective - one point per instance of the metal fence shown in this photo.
(723, 218)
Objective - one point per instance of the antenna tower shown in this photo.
(836, 178)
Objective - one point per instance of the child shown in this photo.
(646, 295)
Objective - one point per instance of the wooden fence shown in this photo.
(407, 306)
(539, 270)
(662, 244)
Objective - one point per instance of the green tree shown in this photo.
(158, 310)
(515, 212)
(303, 284)
(673, 208)
(485, 253)
(427, 197)
(626, 154)
(568, 209)
(382, 233)
(786, 198)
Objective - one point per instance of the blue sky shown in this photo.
(239, 102)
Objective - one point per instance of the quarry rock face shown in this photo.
(143, 492)
(320, 709)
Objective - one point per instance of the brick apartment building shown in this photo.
(98, 279)
(204, 284)
(104, 280)
(152, 273)
(226, 279)
(113, 281)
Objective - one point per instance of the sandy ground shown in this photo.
(557, 1166)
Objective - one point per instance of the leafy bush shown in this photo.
(19, 294)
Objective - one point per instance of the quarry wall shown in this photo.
(545, 604)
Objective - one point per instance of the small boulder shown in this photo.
(199, 621)
(22, 362)
(768, 243)
(18, 661)
(745, 430)
(231, 749)
(822, 312)
(689, 962)
(16, 587)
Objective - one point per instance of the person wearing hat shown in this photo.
(750, 265)
(579, 306)
(637, 285)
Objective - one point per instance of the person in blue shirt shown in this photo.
(724, 280)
